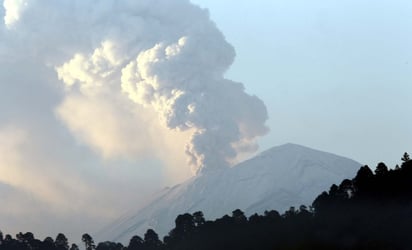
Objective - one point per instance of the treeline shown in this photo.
(371, 211)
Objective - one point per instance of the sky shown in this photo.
(97, 112)
(334, 75)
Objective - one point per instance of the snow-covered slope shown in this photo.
(284, 176)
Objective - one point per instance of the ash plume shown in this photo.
(184, 83)
(166, 58)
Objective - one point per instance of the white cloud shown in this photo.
(13, 9)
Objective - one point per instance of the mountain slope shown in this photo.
(284, 176)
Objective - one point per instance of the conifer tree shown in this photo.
(88, 242)
(405, 157)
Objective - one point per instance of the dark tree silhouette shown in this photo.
(184, 224)
(107, 245)
(363, 179)
(88, 242)
(48, 243)
(290, 213)
(405, 158)
(74, 247)
(239, 216)
(151, 240)
(381, 169)
(198, 218)
(61, 242)
(136, 243)
(25, 238)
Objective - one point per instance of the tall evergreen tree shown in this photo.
(136, 243)
(151, 240)
(61, 242)
(405, 157)
(381, 169)
(88, 242)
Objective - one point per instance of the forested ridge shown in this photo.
(371, 211)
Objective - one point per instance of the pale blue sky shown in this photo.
(335, 75)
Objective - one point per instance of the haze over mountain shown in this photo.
(283, 176)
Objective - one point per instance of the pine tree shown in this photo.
(136, 242)
(61, 242)
(88, 242)
(405, 157)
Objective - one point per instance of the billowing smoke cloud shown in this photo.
(184, 83)
(88, 85)
(175, 65)
(140, 78)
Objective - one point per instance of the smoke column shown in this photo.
(184, 83)
(159, 56)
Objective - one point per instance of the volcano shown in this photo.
(281, 177)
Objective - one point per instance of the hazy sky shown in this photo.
(78, 148)
(335, 75)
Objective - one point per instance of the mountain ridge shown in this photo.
(280, 177)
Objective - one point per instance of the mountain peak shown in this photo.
(280, 177)
(292, 147)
